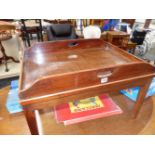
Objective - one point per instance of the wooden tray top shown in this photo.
(62, 65)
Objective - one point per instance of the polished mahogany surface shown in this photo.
(117, 33)
(64, 65)
(62, 71)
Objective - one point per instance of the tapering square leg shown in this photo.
(141, 96)
(32, 121)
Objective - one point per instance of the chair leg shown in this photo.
(38, 36)
(6, 65)
(4, 56)
(41, 35)
(28, 40)
(31, 36)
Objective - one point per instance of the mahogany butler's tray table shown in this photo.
(62, 71)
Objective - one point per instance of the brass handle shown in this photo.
(104, 74)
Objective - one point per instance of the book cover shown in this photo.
(12, 103)
(14, 84)
(87, 109)
(131, 93)
(85, 104)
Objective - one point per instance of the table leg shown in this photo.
(32, 121)
(141, 96)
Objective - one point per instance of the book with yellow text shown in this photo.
(86, 109)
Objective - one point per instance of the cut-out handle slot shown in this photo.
(72, 44)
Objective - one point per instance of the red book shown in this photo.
(99, 106)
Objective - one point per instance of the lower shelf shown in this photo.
(87, 109)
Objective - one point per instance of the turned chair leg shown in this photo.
(4, 56)
(6, 64)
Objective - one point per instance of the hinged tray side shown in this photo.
(57, 84)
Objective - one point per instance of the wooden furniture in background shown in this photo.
(5, 34)
(116, 37)
(99, 22)
(29, 27)
(121, 39)
(60, 21)
(63, 71)
(129, 21)
(147, 23)
(130, 46)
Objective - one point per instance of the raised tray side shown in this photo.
(58, 57)
(57, 84)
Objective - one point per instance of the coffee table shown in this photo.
(61, 71)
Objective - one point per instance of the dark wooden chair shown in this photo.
(28, 30)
